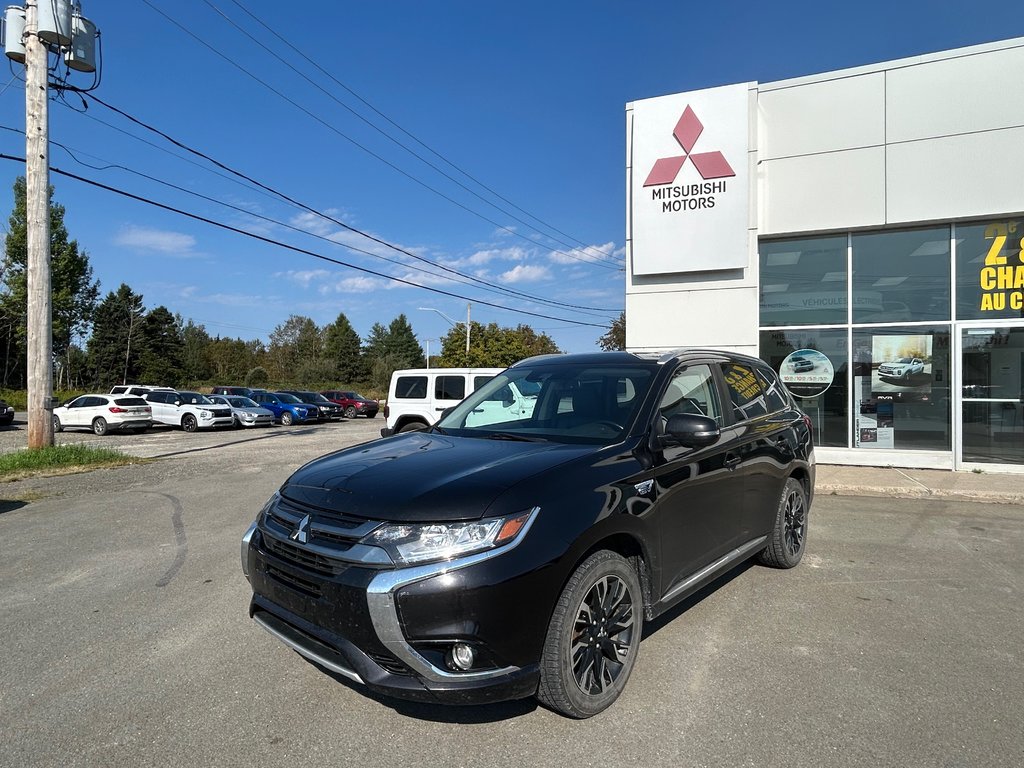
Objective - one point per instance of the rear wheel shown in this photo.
(57, 426)
(593, 638)
(99, 425)
(788, 538)
(412, 426)
(189, 423)
(287, 418)
(350, 412)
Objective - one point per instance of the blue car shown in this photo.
(286, 409)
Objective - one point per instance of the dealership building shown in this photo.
(863, 232)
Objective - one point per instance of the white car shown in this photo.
(102, 413)
(246, 412)
(188, 410)
(903, 368)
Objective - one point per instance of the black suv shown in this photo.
(521, 555)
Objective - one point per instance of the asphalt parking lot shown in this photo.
(126, 638)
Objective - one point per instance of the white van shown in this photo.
(417, 396)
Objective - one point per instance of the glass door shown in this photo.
(992, 407)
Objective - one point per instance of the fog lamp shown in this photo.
(460, 656)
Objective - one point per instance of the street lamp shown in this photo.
(453, 322)
(428, 350)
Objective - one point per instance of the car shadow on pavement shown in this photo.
(440, 713)
(269, 434)
(9, 505)
(651, 627)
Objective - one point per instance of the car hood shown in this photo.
(420, 477)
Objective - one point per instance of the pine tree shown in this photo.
(73, 292)
(343, 349)
(114, 346)
(161, 348)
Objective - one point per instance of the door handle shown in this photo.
(732, 461)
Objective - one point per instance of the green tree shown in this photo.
(73, 292)
(161, 348)
(343, 350)
(389, 349)
(229, 360)
(295, 341)
(491, 346)
(113, 347)
(615, 337)
(195, 364)
(402, 344)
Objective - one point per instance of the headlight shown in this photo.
(205, 414)
(423, 542)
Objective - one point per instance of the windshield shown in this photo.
(905, 360)
(561, 403)
(284, 397)
(242, 402)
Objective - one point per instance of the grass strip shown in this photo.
(60, 460)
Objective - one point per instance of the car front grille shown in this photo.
(331, 541)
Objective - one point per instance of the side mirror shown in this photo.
(177, 401)
(691, 430)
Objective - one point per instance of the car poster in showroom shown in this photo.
(807, 373)
(901, 372)
(901, 367)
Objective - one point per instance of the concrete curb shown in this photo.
(899, 492)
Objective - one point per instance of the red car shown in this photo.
(353, 403)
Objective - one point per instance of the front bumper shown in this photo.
(388, 628)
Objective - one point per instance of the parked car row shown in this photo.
(137, 407)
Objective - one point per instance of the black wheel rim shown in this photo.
(796, 522)
(602, 635)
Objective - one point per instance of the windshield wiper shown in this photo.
(516, 437)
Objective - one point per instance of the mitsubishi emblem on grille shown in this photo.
(301, 532)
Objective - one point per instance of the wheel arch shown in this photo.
(628, 545)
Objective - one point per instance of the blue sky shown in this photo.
(527, 98)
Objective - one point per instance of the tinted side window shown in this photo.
(692, 390)
(129, 401)
(748, 400)
(411, 387)
(450, 387)
(479, 381)
(774, 398)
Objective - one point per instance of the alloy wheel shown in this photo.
(796, 519)
(602, 635)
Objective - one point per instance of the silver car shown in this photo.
(245, 412)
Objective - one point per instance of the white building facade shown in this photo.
(863, 232)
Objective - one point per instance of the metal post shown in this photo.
(468, 305)
(37, 215)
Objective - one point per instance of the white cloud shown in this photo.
(304, 276)
(601, 253)
(359, 284)
(487, 255)
(161, 241)
(525, 273)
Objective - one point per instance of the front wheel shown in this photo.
(350, 412)
(593, 638)
(99, 425)
(287, 418)
(57, 426)
(788, 537)
(189, 423)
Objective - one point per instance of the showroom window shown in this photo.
(990, 270)
(901, 276)
(803, 282)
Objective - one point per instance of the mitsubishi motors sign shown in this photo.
(688, 181)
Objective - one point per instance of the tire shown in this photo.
(287, 419)
(99, 426)
(189, 423)
(788, 537)
(584, 635)
(350, 412)
(412, 426)
(57, 426)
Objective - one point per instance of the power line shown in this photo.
(321, 214)
(391, 138)
(597, 262)
(297, 249)
(491, 288)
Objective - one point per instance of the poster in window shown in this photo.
(807, 373)
(901, 367)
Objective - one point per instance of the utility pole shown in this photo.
(37, 216)
(468, 305)
(32, 33)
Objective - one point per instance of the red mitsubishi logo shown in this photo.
(710, 165)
